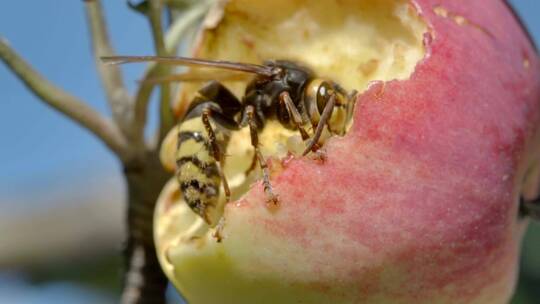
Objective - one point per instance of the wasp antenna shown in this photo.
(195, 62)
(113, 60)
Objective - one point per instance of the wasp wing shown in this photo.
(187, 61)
(198, 75)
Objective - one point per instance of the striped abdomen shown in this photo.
(197, 169)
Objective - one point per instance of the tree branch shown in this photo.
(111, 76)
(166, 120)
(64, 102)
(172, 39)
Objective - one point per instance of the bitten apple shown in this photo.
(417, 203)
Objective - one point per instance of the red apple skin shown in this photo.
(418, 203)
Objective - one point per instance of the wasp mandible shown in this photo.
(280, 89)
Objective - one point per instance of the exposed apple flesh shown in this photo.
(417, 203)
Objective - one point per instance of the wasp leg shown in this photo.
(252, 165)
(530, 208)
(272, 198)
(322, 122)
(285, 98)
(206, 114)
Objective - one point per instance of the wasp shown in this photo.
(280, 90)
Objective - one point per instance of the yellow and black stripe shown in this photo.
(198, 170)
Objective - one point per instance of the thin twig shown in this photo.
(172, 39)
(181, 4)
(64, 102)
(166, 120)
(156, 10)
(111, 76)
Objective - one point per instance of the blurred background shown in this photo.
(49, 253)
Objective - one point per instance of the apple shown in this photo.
(417, 203)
